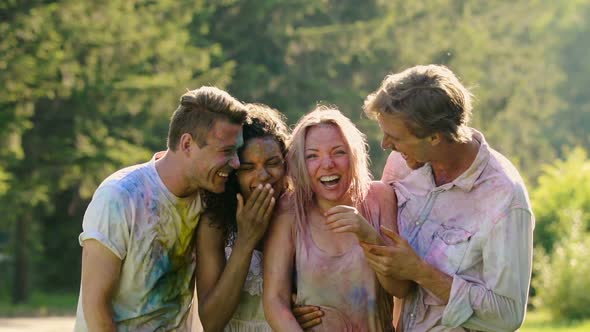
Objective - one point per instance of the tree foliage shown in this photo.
(563, 190)
(560, 280)
(88, 87)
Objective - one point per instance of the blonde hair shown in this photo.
(429, 99)
(359, 159)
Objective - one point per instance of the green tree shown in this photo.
(89, 88)
(560, 279)
(564, 187)
(294, 54)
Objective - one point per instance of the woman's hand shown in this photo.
(343, 218)
(253, 216)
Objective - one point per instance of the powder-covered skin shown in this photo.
(151, 231)
(343, 285)
(476, 229)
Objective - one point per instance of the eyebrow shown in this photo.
(333, 148)
(266, 160)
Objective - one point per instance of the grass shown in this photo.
(41, 304)
(46, 304)
(540, 321)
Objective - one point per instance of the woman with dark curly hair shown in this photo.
(230, 234)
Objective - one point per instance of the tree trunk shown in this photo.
(20, 288)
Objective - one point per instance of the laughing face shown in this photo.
(397, 137)
(212, 163)
(261, 162)
(327, 158)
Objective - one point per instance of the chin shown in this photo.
(216, 189)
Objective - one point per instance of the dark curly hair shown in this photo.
(262, 121)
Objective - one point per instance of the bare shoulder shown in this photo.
(208, 232)
(285, 205)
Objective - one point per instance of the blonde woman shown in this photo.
(317, 237)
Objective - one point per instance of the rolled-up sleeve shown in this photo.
(498, 302)
(106, 220)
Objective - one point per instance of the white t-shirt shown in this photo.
(133, 214)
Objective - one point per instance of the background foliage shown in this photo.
(88, 87)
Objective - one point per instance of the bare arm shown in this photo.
(279, 253)
(100, 274)
(219, 284)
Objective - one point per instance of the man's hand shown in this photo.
(253, 216)
(343, 218)
(398, 261)
(307, 316)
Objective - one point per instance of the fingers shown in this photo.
(344, 229)
(377, 265)
(254, 197)
(240, 203)
(310, 323)
(259, 201)
(392, 235)
(336, 216)
(377, 250)
(303, 310)
(268, 211)
(308, 316)
(267, 205)
(339, 209)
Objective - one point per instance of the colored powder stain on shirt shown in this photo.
(343, 285)
(133, 214)
(476, 229)
(359, 296)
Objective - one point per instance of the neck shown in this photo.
(453, 160)
(325, 205)
(170, 170)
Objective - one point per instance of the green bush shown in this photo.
(563, 186)
(562, 278)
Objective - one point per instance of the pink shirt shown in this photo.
(344, 285)
(477, 229)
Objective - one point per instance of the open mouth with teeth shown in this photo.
(223, 174)
(330, 180)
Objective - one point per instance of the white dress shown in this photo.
(249, 315)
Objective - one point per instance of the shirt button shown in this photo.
(412, 315)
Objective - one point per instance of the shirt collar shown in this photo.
(466, 181)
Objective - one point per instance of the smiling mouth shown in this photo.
(223, 174)
(330, 180)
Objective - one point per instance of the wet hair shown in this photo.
(198, 111)
(262, 121)
(359, 159)
(429, 99)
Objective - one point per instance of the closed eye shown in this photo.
(245, 167)
(275, 162)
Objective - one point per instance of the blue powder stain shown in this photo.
(358, 296)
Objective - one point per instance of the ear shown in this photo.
(186, 143)
(435, 139)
